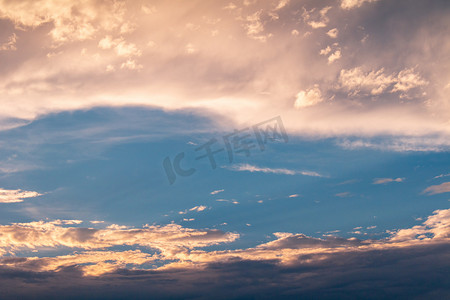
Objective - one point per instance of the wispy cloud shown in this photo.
(343, 195)
(438, 189)
(387, 180)
(14, 196)
(442, 175)
(282, 171)
(195, 208)
(217, 191)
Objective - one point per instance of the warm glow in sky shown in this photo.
(107, 107)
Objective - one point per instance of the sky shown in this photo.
(242, 149)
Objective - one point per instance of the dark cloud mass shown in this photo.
(419, 272)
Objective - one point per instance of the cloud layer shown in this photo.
(319, 263)
(111, 53)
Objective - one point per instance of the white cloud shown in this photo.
(400, 144)
(14, 196)
(333, 33)
(440, 176)
(255, 27)
(174, 245)
(349, 4)
(198, 208)
(387, 180)
(233, 74)
(217, 192)
(310, 97)
(325, 51)
(376, 82)
(282, 4)
(71, 20)
(438, 189)
(316, 19)
(335, 56)
(251, 168)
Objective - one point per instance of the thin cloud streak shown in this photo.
(281, 171)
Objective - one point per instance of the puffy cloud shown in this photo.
(14, 196)
(438, 189)
(335, 56)
(309, 97)
(333, 33)
(171, 238)
(316, 19)
(70, 20)
(376, 82)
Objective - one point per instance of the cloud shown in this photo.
(251, 168)
(376, 82)
(438, 189)
(349, 4)
(316, 19)
(333, 33)
(195, 208)
(400, 144)
(10, 44)
(335, 56)
(112, 48)
(387, 180)
(343, 194)
(168, 239)
(282, 4)
(71, 21)
(442, 175)
(320, 263)
(308, 98)
(217, 192)
(14, 196)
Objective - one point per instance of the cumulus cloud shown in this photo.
(71, 20)
(333, 33)
(316, 18)
(14, 196)
(309, 97)
(377, 82)
(438, 189)
(335, 56)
